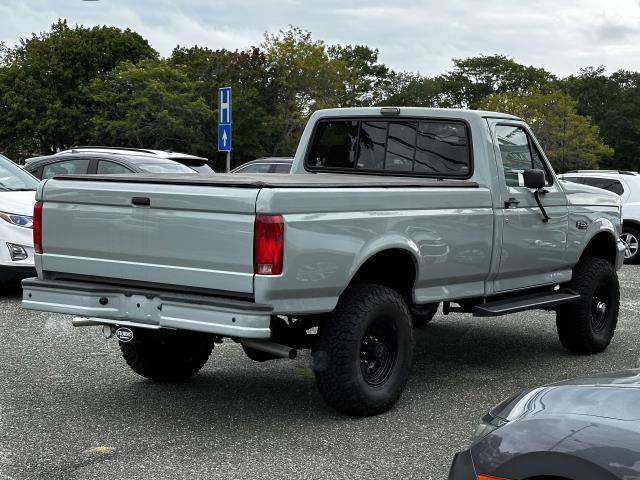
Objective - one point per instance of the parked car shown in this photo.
(101, 163)
(198, 164)
(581, 429)
(266, 165)
(17, 197)
(387, 212)
(627, 185)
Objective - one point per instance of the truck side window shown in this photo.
(518, 154)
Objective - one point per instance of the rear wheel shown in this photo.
(587, 326)
(167, 355)
(631, 238)
(364, 351)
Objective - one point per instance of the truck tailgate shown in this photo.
(187, 236)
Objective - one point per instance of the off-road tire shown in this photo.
(582, 328)
(423, 314)
(635, 232)
(167, 355)
(341, 354)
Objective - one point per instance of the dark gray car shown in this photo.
(581, 429)
(104, 163)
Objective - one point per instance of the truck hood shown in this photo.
(580, 194)
(20, 203)
(613, 395)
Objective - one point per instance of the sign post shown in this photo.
(224, 123)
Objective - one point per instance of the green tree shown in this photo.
(277, 85)
(571, 141)
(43, 103)
(614, 104)
(306, 75)
(413, 90)
(362, 81)
(245, 71)
(473, 79)
(151, 104)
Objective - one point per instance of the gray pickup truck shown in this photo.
(388, 213)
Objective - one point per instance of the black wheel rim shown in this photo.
(378, 352)
(599, 309)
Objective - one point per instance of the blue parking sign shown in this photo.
(224, 119)
(224, 137)
(224, 105)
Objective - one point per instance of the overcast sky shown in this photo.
(412, 35)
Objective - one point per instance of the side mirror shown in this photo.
(534, 179)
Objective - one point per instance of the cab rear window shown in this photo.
(438, 148)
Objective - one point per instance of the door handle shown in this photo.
(141, 201)
(511, 203)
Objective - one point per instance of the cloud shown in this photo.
(411, 35)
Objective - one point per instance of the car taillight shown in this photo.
(37, 227)
(268, 245)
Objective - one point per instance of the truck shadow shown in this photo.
(265, 395)
(10, 290)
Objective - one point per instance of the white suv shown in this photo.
(627, 185)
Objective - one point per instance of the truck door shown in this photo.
(533, 251)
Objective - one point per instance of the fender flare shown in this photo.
(382, 244)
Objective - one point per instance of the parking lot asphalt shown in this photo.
(70, 408)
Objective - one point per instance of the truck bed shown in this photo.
(278, 180)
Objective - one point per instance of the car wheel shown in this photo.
(363, 354)
(587, 326)
(167, 355)
(631, 238)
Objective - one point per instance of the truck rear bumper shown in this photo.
(139, 307)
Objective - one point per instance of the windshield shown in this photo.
(13, 178)
(165, 168)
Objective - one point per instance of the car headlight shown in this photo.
(488, 425)
(25, 221)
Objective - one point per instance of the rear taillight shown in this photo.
(268, 245)
(37, 227)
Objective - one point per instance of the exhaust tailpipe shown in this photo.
(84, 322)
(272, 348)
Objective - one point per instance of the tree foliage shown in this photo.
(151, 105)
(614, 104)
(473, 79)
(76, 85)
(570, 140)
(43, 102)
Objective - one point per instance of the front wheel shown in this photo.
(167, 355)
(364, 351)
(587, 326)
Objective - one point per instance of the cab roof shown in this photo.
(388, 112)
